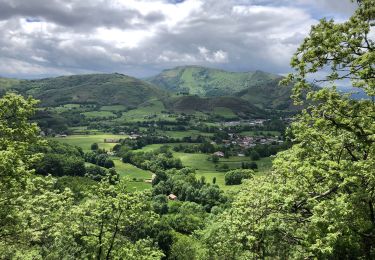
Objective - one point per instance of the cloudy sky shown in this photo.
(41, 38)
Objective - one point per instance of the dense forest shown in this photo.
(58, 202)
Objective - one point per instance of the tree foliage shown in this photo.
(39, 222)
(319, 200)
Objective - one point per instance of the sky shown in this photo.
(41, 38)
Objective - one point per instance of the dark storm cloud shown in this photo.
(76, 14)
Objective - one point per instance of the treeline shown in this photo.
(184, 184)
(155, 161)
(59, 159)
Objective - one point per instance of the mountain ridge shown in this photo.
(258, 87)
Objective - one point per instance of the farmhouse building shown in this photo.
(111, 140)
(172, 197)
(219, 154)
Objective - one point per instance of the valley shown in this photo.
(86, 109)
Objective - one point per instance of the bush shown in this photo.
(235, 177)
(94, 146)
(254, 155)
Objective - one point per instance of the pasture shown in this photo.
(135, 175)
(85, 141)
(114, 108)
(224, 112)
(99, 115)
(182, 134)
(207, 168)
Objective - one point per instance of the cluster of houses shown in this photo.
(253, 122)
(250, 141)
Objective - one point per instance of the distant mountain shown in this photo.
(183, 89)
(355, 93)
(6, 83)
(269, 94)
(101, 89)
(259, 88)
(208, 82)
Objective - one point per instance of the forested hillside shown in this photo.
(101, 89)
(258, 88)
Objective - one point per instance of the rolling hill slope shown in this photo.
(101, 89)
(208, 82)
(259, 88)
(238, 106)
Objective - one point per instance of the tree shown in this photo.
(215, 158)
(319, 200)
(235, 177)
(188, 248)
(30, 211)
(254, 155)
(253, 165)
(94, 146)
(39, 222)
(110, 220)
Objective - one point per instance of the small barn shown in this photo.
(172, 197)
(219, 154)
(111, 140)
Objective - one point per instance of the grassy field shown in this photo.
(143, 112)
(85, 141)
(224, 112)
(66, 107)
(182, 134)
(207, 168)
(196, 161)
(99, 114)
(131, 172)
(113, 108)
(153, 147)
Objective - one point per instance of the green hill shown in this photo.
(259, 88)
(208, 82)
(238, 106)
(269, 95)
(6, 83)
(101, 89)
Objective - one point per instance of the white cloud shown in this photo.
(142, 37)
(219, 56)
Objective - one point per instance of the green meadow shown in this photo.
(224, 112)
(182, 134)
(85, 141)
(135, 175)
(113, 108)
(197, 161)
(99, 114)
(206, 168)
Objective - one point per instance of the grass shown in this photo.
(182, 134)
(129, 171)
(207, 168)
(99, 114)
(153, 147)
(85, 141)
(114, 108)
(224, 112)
(66, 107)
(149, 111)
(150, 148)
